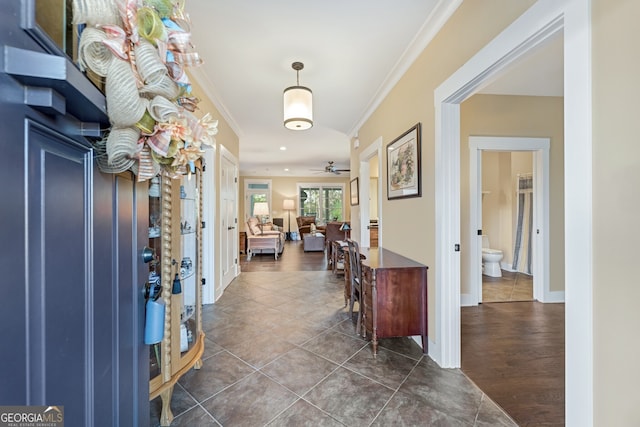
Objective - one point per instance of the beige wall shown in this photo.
(409, 224)
(211, 179)
(287, 188)
(523, 116)
(226, 136)
(616, 207)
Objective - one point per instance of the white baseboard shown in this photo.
(553, 297)
(467, 300)
(431, 344)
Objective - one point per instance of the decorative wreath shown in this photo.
(141, 48)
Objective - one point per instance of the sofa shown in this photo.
(304, 224)
(264, 238)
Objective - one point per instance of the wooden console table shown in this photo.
(395, 296)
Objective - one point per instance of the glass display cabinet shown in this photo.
(175, 275)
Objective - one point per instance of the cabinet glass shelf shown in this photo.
(175, 217)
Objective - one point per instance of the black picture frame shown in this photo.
(404, 169)
(355, 192)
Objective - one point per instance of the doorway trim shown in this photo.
(539, 22)
(209, 233)
(540, 150)
(373, 150)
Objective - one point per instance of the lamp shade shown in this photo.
(261, 208)
(288, 205)
(298, 108)
(345, 227)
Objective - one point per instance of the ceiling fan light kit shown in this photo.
(330, 168)
(298, 104)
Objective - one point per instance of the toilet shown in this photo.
(490, 259)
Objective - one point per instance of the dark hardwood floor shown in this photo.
(513, 351)
(293, 258)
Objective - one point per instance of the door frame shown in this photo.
(541, 21)
(209, 233)
(246, 214)
(540, 149)
(373, 150)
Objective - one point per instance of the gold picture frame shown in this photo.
(404, 174)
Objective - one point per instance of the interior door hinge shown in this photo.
(203, 224)
(204, 281)
(235, 179)
(457, 247)
(236, 220)
(235, 261)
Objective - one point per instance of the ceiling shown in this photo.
(353, 53)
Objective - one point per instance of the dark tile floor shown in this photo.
(281, 351)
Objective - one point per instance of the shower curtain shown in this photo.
(522, 248)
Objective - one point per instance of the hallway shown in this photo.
(282, 351)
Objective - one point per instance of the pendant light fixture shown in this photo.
(298, 104)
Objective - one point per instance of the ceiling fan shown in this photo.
(330, 168)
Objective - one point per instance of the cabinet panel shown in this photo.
(60, 330)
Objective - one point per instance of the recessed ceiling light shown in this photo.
(286, 169)
(283, 148)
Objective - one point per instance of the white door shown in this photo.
(229, 216)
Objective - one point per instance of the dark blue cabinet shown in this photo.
(71, 272)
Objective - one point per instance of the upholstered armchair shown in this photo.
(304, 224)
(263, 237)
(332, 231)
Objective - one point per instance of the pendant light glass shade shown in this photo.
(298, 104)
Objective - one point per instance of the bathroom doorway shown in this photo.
(497, 166)
(507, 225)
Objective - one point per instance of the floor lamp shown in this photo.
(288, 205)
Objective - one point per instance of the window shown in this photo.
(256, 191)
(325, 202)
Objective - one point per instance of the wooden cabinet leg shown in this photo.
(198, 364)
(375, 343)
(166, 417)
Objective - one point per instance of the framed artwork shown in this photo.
(355, 197)
(403, 165)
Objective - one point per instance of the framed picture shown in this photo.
(403, 165)
(355, 197)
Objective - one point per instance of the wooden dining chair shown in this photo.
(355, 276)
